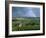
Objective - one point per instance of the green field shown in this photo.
(23, 24)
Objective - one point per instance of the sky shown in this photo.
(25, 12)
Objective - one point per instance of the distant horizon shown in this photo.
(24, 17)
(25, 12)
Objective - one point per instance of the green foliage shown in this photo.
(27, 24)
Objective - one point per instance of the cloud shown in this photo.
(30, 13)
(25, 12)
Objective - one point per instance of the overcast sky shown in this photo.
(25, 12)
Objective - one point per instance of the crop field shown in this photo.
(23, 24)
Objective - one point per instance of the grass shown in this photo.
(26, 24)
